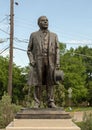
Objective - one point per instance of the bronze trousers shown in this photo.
(49, 88)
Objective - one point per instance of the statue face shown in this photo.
(43, 23)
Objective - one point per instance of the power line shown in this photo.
(20, 49)
(4, 18)
(23, 40)
(5, 47)
(83, 55)
(4, 31)
(78, 54)
(58, 29)
(4, 50)
(31, 25)
(65, 53)
(4, 40)
(66, 42)
(15, 38)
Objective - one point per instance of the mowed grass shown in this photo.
(76, 109)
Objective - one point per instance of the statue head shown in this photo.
(43, 22)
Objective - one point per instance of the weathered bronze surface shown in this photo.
(44, 57)
(40, 113)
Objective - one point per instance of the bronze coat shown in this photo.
(35, 54)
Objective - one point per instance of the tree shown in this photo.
(4, 65)
(86, 54)
(75, 76)
(19, 79)
(60, 95)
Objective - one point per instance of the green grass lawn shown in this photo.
(86, 124)
(75, 109)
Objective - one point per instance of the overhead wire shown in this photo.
(26, 51)
(69, 35)
(4, 50)
(55, 26)
(20, 49)
(5, 18)
(22, 40)
(21, 58)
(26, 40)
(79, 54)
(4, 31)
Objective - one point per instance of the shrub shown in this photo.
(7, 110)
(86, 124)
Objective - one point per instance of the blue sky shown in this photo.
(71, 20)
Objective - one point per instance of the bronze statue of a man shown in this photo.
(43, 53)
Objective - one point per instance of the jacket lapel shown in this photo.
(39, 37)
(49, 39)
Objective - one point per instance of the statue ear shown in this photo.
(39, 25)
(39, 22)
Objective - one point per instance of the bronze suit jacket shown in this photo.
(35, 54)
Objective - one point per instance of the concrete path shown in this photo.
(78, 116)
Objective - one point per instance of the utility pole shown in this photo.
(11, 47)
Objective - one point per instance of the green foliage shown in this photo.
(28, 98)
(76, 109)
(87, 62)
(89, 96)
(62, 47)
(3, 75)
(7, 110)
(87, 122)
(75, 76)
(77, 67)
(19, 80)
(60, 95)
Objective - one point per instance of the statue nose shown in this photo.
(45, 21)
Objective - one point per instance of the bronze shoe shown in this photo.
(52, 105)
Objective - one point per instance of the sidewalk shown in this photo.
(78, 116)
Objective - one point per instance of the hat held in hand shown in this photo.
(58, 76)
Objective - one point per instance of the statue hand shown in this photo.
(57, 67)
(33, 64)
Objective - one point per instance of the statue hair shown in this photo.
(40, 19)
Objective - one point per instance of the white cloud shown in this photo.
(79, 42)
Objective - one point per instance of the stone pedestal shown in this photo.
(41, 113)
(42, 119)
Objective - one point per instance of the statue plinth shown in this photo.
(42, 119)
(41, 113)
